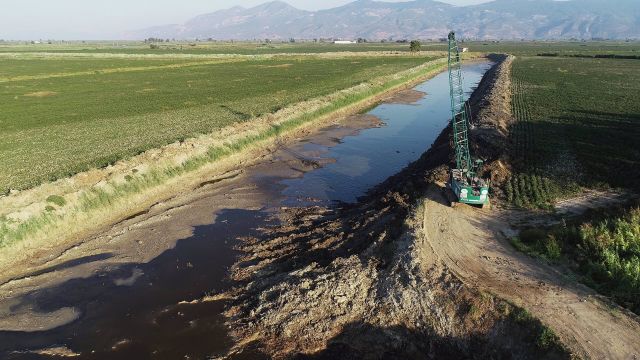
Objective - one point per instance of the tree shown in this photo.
(415, 46)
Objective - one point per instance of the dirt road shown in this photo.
(473, 245)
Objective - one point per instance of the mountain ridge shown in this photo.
(423, 19)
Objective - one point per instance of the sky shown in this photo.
(103, 19)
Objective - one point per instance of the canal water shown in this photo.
(373, 155)
(147, 319)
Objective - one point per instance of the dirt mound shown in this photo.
(491, 114)
(352, 282)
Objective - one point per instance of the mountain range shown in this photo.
(418, 19)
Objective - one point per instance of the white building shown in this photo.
(344, 42)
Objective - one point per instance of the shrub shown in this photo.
(57, 200)
(415, 46)
(552, 248)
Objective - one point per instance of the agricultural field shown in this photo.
(558, 48)
(577, 126)
(62, 115)
(520, 48)
(203, 48)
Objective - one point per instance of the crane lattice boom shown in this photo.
(463, 181)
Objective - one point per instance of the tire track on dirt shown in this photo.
(473, 245)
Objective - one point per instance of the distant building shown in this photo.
(344, 42)
(465, 49)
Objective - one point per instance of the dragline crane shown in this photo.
(464, 180)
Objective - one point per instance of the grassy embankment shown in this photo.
(92, 120)
(578, 127)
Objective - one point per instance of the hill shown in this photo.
(425, 19)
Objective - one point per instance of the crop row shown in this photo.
(576, 126)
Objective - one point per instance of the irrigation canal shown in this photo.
(134, 311)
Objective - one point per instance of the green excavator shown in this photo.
(465, 184)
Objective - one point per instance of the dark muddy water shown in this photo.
(373, 155)
(143, 319)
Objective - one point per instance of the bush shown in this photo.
(552, 248)
(608, 254)
(415, 46)
(57, 200)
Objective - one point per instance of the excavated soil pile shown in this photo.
(353, 281)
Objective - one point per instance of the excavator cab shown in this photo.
(474, 191)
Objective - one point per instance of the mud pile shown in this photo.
(353, 281)
(492, 117)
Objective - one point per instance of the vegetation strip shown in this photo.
(117, 70)
(110, 201)
(604, 249)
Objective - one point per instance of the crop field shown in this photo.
(20, 68)
(577, 125)
(521, 48)
(61, 116)
(241, 48)
(558, 48)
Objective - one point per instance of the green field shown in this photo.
(16, 68)
(65, 115)
(578, 125)
(528, 48)
(202, 48)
